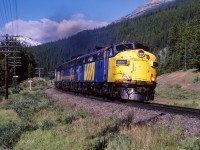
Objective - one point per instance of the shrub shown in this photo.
(196, 79)
(71, 116)
(48, 124)
(177, 86)
(15, 91)
(10, 133)
(28, 104)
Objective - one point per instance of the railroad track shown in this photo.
(190, 112)
(177, 110)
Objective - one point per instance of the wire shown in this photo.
(5, 12)
(11, 16)
(16, 9)
(2, 18)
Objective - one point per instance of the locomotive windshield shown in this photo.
(123, 47)
(131, 46)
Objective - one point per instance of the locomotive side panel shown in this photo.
(67, 74)
(100, 74)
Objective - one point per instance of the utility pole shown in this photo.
(39, 71)
(6, 46)
(14, 63)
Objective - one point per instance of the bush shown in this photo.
(196, 79)
(10, 133)
(71, 116)
(48, 124)
(28, 104)
(15, 91)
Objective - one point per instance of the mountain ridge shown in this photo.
(28, 41)
(151, 4)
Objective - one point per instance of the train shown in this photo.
(126, 71)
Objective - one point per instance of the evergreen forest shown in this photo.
(156, 29)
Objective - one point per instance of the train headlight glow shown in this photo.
(153, 78)
(124, 77)
(141, 53)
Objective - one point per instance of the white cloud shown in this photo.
(46, 29)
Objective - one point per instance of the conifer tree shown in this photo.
(196, 41)
(31, 71)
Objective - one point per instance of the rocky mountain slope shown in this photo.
(151, 4)
(28, 41)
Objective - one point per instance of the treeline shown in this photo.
(183, 47)
(151, 29)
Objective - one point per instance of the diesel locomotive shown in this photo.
(126, 71)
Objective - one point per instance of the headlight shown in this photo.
(124, 77)
(153, 78)
(141, 53)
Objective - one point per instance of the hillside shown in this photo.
(179, 88)
(185, 79)
(151, 29)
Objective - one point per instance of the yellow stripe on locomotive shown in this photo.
(89, 72)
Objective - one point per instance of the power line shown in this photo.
(6, 17)
(16, 9)
(11, 15)
(3, 21)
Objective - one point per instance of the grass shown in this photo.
(193, 104)
(34, 121)
(179, 94)
(176, 95)
(151, 138)
(7, 116)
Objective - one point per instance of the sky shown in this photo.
(49, 20)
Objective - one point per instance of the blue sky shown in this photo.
(46, 20)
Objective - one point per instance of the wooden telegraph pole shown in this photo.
(39, 71)
(14, 62)
(6, 46)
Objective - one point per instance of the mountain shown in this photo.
(151, 28)
(28, 41)
(152, 4)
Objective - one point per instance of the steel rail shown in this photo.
(167, 109)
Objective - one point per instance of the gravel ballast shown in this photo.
(118, 109)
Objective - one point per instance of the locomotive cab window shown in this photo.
(111, 52)
(90, 59)
(101, 55)
(123, 47)
(105, 55)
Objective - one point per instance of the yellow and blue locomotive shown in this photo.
(126, 71)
